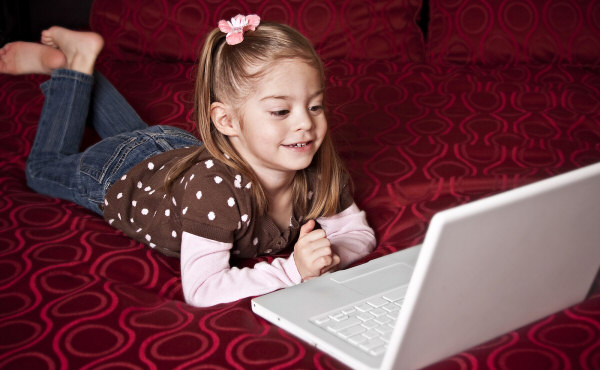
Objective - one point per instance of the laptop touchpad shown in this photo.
(384, 278)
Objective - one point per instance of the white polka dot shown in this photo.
(145, 211)
(174, 234)
(255, 241)
(211, 216)
(174, 201)
(231, 202)
(218, 179)
(209, 163)
(185, 186)
(119, 216)
(184, 210)
(148, 237)
(134, 203)
(147, 188)
(110, 222)
(150, 165)
(105, 202)
(192, 177)
(152, 192)
(248, 185)
(198, 194)
(131, 220)
(268, 251)
(152, 245)
(239, 225)
(123, 177)
(167, 212)
(244, 217)
(238, 181)
(138, 230)
(120, 195)
(139, 185)
(226, 156)
(161, 167)
(310, 195)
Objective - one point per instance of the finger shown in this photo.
(316, 247)
(314, 236)
(336, 260)
(307, 228)
(334, 264)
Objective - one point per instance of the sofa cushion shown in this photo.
(174, 30)
(494, 32)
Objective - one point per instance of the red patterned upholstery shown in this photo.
(418, 138)
(495, 32)
(357, 29)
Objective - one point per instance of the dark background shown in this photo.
(25, 19)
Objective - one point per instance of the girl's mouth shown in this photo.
(299, 145)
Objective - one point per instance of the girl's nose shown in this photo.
(304, 121)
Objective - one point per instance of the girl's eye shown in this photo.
(280, 113)
(315, 108)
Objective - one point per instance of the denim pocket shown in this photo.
(105, 162)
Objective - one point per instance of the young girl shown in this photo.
(264, 177)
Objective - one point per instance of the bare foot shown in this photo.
(80, 48)
(17, 58)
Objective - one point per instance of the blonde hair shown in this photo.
(224, 75)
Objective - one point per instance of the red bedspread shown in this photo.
(418, 138)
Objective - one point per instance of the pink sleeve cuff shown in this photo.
(350, 235)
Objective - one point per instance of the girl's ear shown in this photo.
(223, 118)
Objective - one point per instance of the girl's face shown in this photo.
(282, 124)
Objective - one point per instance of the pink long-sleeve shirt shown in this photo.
(208, 279)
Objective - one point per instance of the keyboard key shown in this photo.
(341, 325)
(370, 324)
(364, 307)
(378, 312)
(382, 320)
(371, 334)
(391, 307)
(357, 339)
(339, 316)
(321, 320)
(365, 316)
(352, 331)
(377, 302)
(372, 344)
(378, 351)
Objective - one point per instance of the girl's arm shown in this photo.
(350, 235)
(208, 279)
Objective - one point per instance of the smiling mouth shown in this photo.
(298, 145)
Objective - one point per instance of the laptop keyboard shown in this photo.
(367, 324)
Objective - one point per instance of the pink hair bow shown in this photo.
(236, 27)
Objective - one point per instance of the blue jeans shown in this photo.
(56, 166)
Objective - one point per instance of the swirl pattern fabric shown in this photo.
(76, 293)
(506, 32)
(417, 138)
(378, 29)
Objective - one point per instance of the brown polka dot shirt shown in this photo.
(210, 200)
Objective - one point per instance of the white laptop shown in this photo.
(484, 269)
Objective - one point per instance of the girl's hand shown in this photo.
(312, 252)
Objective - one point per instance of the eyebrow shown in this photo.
(286, 97)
